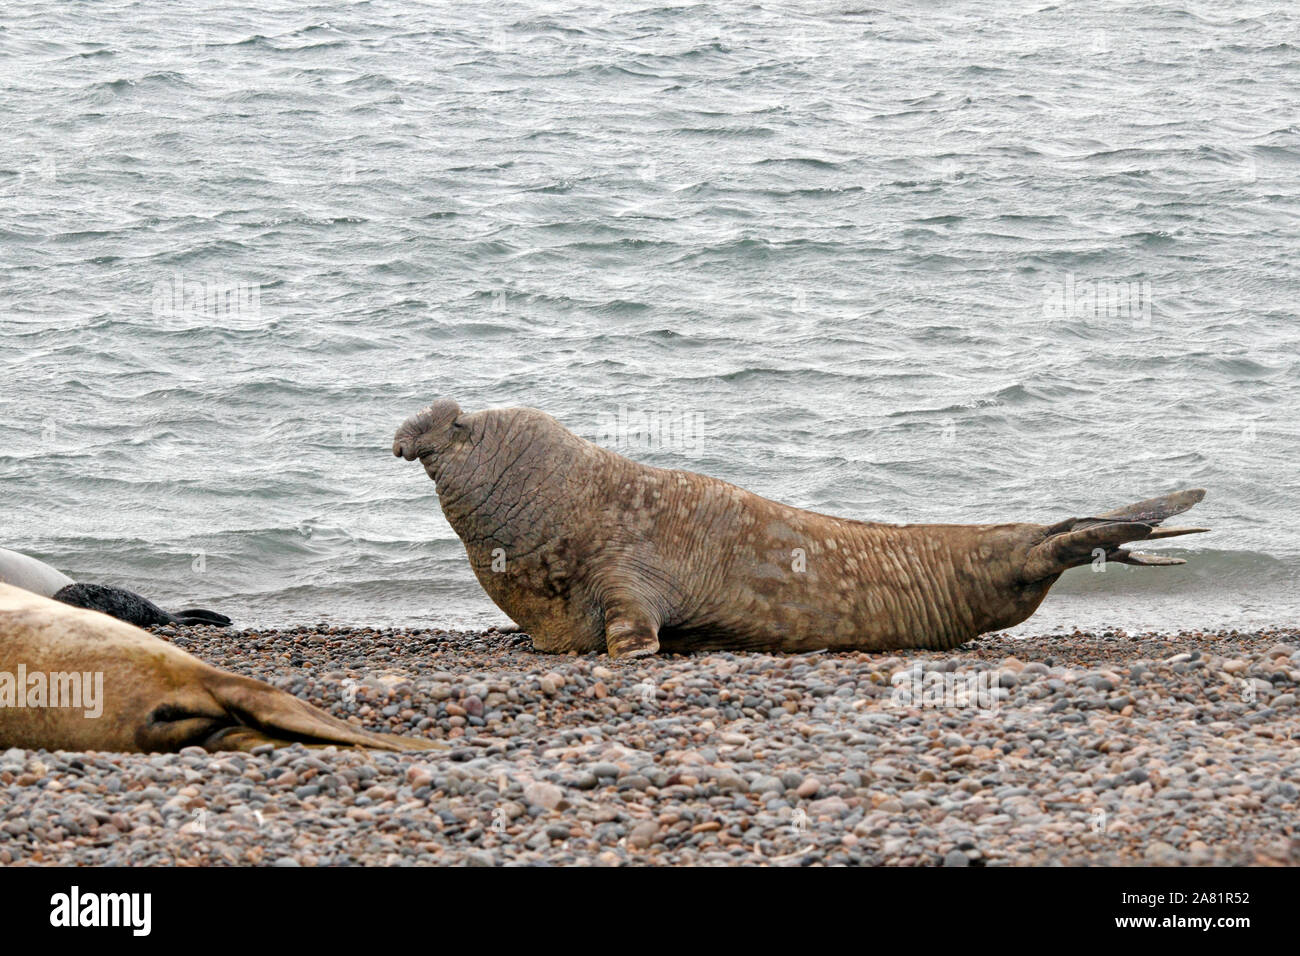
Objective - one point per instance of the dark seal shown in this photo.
(133, 608)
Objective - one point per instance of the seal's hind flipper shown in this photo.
(1152, 510)
(1173, 532)
(1078, 541)
(1071, 549)
(196, 616)
(279, 718)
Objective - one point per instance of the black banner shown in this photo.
(333, 905)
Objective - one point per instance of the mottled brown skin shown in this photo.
(156, 698)
(595, 551)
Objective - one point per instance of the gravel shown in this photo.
(1092, 748)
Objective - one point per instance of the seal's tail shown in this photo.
(1077, 541)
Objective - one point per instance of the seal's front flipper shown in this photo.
(245, 739)
(625, 638)
(631, 629)
(263, 714)
(241, 738)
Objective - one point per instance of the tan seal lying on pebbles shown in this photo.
(586, 549)
(72, 679)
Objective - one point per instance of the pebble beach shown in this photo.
(1083, 749)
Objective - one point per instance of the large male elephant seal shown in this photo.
(72, 679)
(39, 578)
(585, 549)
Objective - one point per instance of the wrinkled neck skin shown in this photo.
(508, 489)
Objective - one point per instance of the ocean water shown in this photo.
(894, 261)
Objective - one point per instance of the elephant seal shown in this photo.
(72, 679)
(38, 577)
(586, 549)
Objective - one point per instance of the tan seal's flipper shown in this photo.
(246, 739)
(120, 688)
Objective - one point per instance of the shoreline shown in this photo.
(1088, 748)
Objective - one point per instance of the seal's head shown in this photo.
(430, 433)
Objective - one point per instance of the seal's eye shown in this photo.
(168, 713)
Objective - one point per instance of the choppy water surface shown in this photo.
(954, 262)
